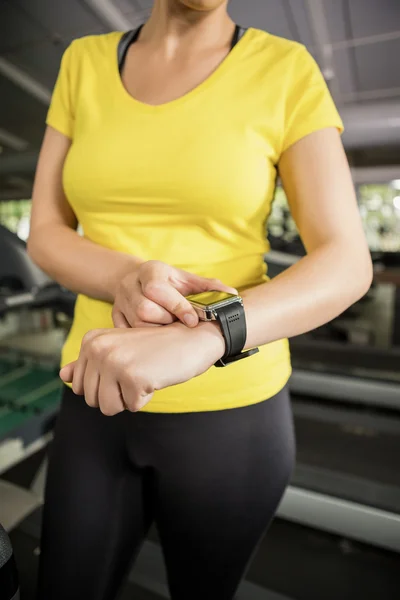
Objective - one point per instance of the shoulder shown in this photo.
(264, 42)
(282, 57)
(272, 51)
(85, 55)
(94, 45)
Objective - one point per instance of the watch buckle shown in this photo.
(224, 362)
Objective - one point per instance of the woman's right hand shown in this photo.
(154, 294)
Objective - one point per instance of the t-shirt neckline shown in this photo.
(217, 74)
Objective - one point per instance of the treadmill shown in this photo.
(29, 385)
(347, 478)
(346, 406)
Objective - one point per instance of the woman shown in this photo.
(170, 168)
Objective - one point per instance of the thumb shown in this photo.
(119, 320)
(67, 372)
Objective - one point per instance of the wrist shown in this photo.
(127, 266)
(210, 334)
(207, 335)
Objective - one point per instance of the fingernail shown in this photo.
(190, 320)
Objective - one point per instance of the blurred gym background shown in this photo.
(338, 527)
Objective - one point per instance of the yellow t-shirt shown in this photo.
(189, 182)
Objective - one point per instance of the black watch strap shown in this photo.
(233, 326)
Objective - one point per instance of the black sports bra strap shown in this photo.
(130, 37)
(237, 36)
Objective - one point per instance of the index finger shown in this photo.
(164, 294)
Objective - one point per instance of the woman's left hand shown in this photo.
(120, 369)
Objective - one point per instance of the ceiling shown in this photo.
(356, 42)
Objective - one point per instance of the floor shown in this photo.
(309, 565)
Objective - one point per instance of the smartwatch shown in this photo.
(228, 311)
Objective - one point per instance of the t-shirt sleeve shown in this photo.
(309, 104)
(61, 114)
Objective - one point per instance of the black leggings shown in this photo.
(211, 481)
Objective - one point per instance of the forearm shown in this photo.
(77, 263)
(310, 293)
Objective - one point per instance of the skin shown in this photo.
(177, 49)
(119, 369)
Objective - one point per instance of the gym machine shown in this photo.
(346, 405)
(29, 390)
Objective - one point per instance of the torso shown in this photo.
(177, 162)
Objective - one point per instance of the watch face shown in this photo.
(210, 298)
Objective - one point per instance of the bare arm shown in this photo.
(54, 245)
(337, 270)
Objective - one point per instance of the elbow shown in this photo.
(34, 248)
(362, 276)
(31, 247)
